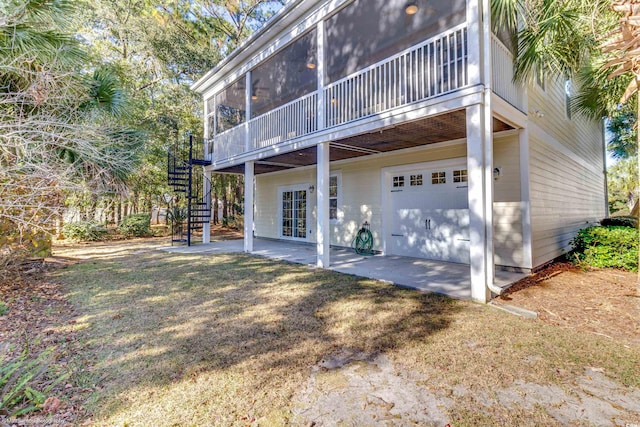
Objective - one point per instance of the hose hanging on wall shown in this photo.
(363, 242)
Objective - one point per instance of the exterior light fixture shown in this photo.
(497, 173)
(311, 65)
(311, 189)
(411, 8)
(254, 97)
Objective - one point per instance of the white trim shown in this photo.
(320, 34)
(474, 54)
(287, 188)
(340, 211)
(506, 112)
(206, 227)
(477, 166)
(525, 196)
(248, 206)
(323, 236)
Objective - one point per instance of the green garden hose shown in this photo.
(363, 242)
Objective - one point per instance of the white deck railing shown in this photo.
(502, 80)
(229, 143)
(434, 67)
(297, 118)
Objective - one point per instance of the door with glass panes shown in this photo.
(293, 213)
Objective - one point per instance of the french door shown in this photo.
(294, 213)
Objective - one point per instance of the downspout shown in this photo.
(488, 138)
(604, 168)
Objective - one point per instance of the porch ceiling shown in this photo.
(444, 127)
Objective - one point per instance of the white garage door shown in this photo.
(429, 215)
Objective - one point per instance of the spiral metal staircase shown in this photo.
(185, 175)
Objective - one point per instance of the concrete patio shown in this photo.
(421, 274)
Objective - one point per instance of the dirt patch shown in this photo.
(219, 232)
(601, 302)
(352, 388)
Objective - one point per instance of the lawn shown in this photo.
(176, 340)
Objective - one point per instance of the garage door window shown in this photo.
(415, 180)
(438, 178)
(460, 175)
(398, 181)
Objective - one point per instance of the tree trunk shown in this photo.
(216, 220)
(239, 195)
(225, 207)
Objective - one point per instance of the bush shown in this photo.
(84, 231)
(607, 247)
(136, 225)
(4, 308)
(177, 215)
(621, 221)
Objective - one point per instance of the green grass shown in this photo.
(207, 339)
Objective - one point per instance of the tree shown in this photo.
(56, 132)
(623, 185)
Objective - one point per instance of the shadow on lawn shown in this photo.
(157, 318)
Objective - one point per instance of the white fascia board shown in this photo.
(507, 112)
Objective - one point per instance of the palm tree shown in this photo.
(624, 46)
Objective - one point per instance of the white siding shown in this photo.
(566, 172)
(507, 206)
(507, 233)
(506, 156)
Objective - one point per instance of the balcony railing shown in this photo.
(432, 68)
(230, 142)
(502, 79)
(292, 120)
(436, 66)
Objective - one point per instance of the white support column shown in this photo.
(322, 191)
(206, 227)
(474, 39)
(248, 206)
(525, 195)
(320, 69)
(487, 128)
(480, 176)
(247, 110)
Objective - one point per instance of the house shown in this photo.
(406, 116)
